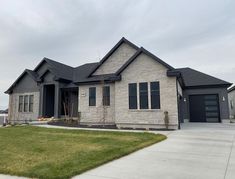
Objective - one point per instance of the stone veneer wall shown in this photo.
(116, 60)
(99, 113)
(16, 116)
(145, 69)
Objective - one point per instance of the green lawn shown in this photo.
(58, 153)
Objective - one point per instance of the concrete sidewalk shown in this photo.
(10, 177)
(198, 151)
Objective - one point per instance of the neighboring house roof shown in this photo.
(83, 74)
(231, 89)
(193, 78)
(4, 111)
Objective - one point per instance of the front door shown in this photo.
(48, 101)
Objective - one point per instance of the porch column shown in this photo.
(41, 100)
(57, 101)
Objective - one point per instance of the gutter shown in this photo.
(179, 126)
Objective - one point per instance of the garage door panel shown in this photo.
(212, 108)
(204, 108)
(212, 119)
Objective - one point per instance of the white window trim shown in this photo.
(27, 112)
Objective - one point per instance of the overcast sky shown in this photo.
(195, 33)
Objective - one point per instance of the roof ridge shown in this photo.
(50, 60)
(87, 64)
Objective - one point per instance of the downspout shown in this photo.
(179, 127)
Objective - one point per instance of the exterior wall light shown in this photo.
(223, 98)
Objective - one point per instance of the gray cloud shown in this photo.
(195, 33)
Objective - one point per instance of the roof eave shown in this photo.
(108, 80)
(208, 86)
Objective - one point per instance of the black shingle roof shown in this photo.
(31, 73)
(61, 70)
(194, 78)
(82, 74)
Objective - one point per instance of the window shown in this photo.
(31, 103)
(21, 98)
(26, 103)
(155, 95)
(92, 96)
(132, 96)
(106, 96)
(143, 94)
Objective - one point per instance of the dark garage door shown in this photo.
(204, 108)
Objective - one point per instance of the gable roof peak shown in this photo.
(138, 52)
(120, 42)
(31, 74)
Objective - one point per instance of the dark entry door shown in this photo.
(48, 100)
(204, 108)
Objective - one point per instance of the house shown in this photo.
(231, 98)
(4, 111)
(130, 87)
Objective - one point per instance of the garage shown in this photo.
(204, 108)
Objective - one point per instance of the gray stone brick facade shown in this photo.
(145, 69)
(116, 60)
(19, 117)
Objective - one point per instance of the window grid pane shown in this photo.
(143, 94)
(106, 96)
(132, 96)
(92, 96)
(155, 95)
(31, 103)
(26, 103)
(20, 109)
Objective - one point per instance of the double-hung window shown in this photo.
(21, 100)
(132, 96)
(155, 95)
(92, 96)
(143, 95)
(31, 103)
(106, 96)
(26, 103)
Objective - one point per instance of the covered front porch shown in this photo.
(58, 101)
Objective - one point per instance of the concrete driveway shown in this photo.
(197, 151)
